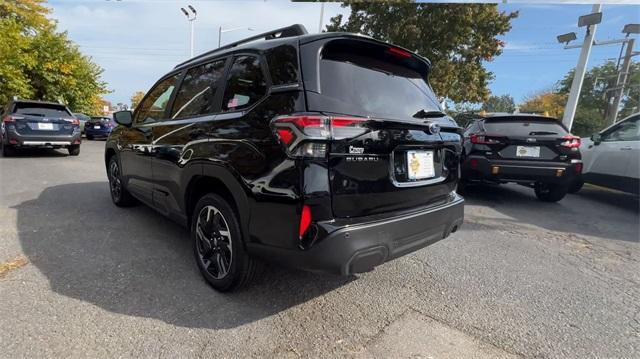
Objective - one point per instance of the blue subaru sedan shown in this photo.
(99, 127)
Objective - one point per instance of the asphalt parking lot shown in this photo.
(521, 278)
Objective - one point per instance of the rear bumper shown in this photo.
(53, 140)
(96, 133)
(357, 248)
(479, 168)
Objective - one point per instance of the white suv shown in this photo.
(612, 157)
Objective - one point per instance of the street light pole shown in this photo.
(578, 76)
(191, 16)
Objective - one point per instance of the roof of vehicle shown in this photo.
(38, 102)
(291, 34)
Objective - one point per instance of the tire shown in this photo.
(218, 246)
(462, 186)
(89, 137)
(119, 194)
(550, 192)
(7, 150)
(576, 185)
(74, 150)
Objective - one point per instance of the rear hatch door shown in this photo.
(38, 119)
(408, 158)
(526, 138)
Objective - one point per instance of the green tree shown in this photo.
(456, 38)
(502, 103)
(136, 98)
(40, 63)
(592, 103)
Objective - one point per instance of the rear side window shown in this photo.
(245, 84)
(197, 92)
(524, 127)
(154, 105)
(283, 64)
(41, 110)
(365, 79)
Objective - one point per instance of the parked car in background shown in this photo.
(273, 149)
(99, 127)
(83, 119)
(612, 157)
(532, 150)
(27, 123)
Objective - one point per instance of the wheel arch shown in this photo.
(218, 180)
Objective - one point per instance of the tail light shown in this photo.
(307, 135)
(8, 118)
(399, 52)
(480, 139)
(570, 141)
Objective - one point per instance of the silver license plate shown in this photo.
(45, 126)
(528, 151)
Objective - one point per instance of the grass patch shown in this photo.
(18, 262)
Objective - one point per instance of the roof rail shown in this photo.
(289, 31)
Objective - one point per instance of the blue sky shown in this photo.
(137, 41)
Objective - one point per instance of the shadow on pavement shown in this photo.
(135, 262)
(40, 152)
(593, 211)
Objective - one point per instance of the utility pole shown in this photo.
(618, 90)
(578, 76)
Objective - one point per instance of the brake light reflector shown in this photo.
(578, 167)
(570, 141)
(305, 220)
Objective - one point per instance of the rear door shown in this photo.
(524, 138)
(403, 161)
(42, 120)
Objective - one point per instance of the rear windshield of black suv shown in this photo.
(41, 110)
(367, 80)
(524, 126)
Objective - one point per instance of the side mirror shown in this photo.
(124, 118)
(596, 138)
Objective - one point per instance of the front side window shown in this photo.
(197, 92)
(245, 84)
(626, 131)
(154, 106)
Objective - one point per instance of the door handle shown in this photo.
(625, 149)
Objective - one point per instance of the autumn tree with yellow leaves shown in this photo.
(40, 63)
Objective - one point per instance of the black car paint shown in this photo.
(238, 154)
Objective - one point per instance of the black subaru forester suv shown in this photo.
(324, 152)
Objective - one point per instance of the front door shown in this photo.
(137, 141)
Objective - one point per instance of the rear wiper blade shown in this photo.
(428, 114)
(534, 133)
(33, 114)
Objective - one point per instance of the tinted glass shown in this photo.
(283, 64)
(197, 92)
(524, 127)
(42, 110)
(154, 106)
(245, 84)
(626, 131)
(368, 81)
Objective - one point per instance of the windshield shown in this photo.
(369, 82)
(42, 110)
